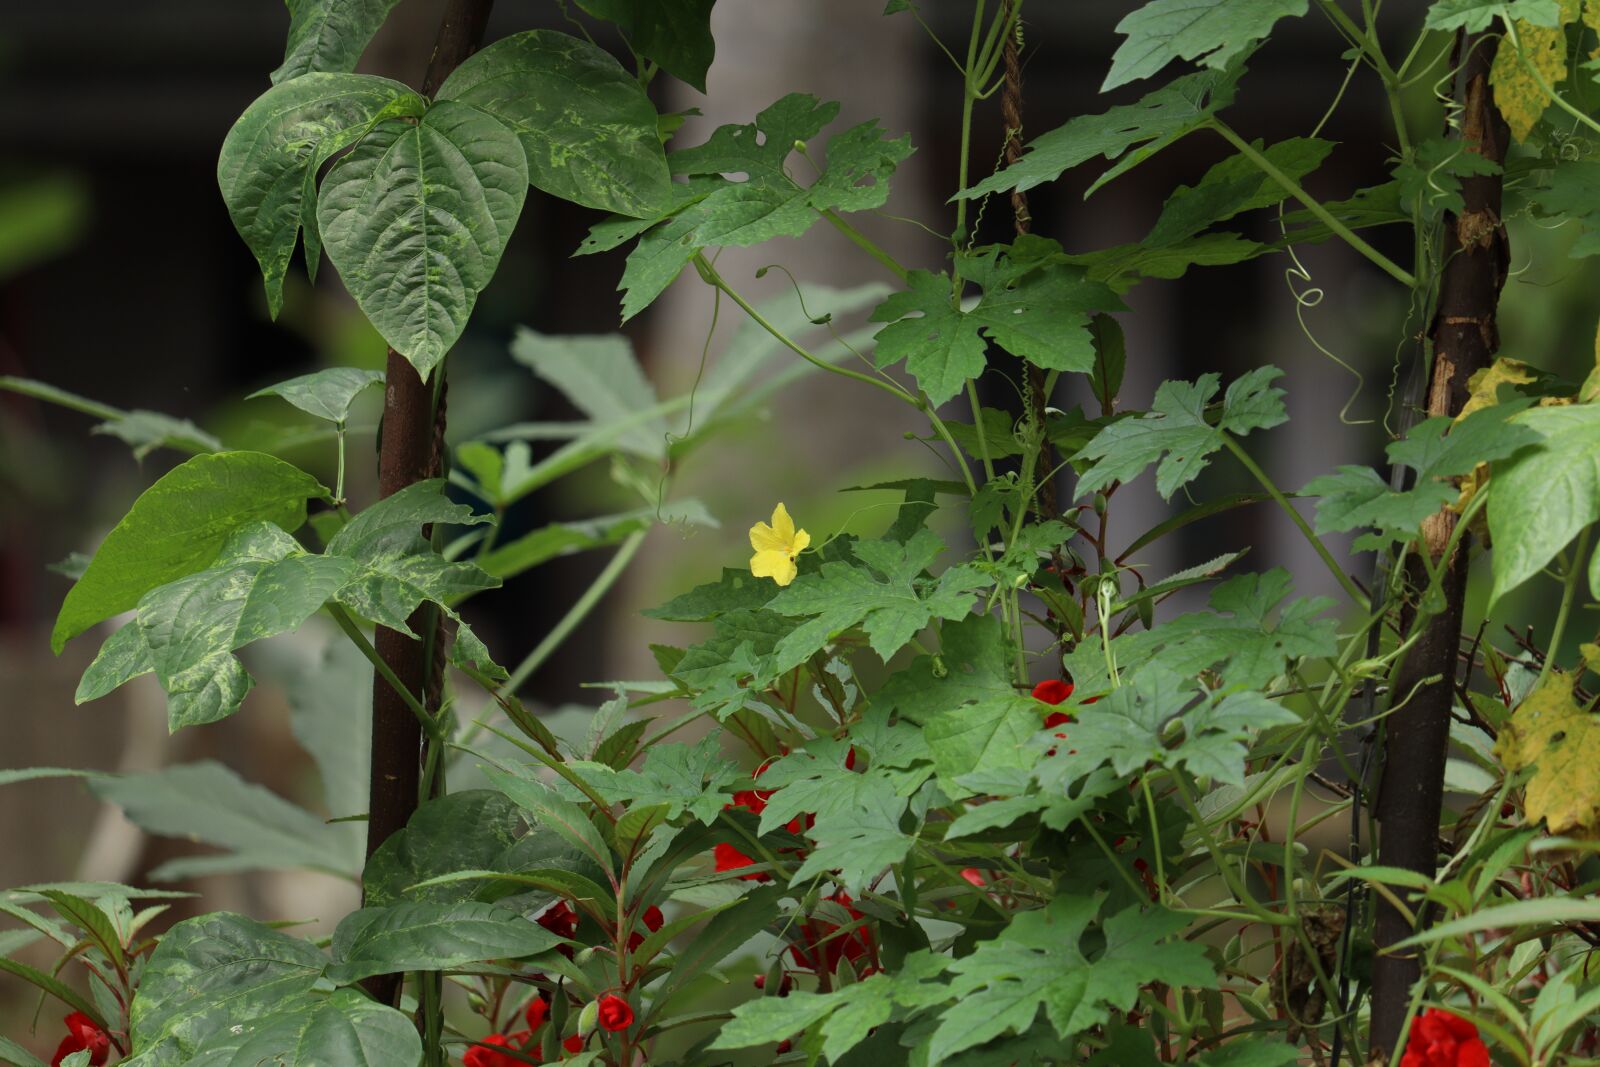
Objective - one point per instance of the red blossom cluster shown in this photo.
(614, 1013)
(1443, 1039)
(82, 1033)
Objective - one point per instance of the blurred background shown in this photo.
(122, 280)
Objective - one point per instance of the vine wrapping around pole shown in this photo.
(1417, 730)
(411, 450)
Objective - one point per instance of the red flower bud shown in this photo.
(82, 1033)
(537, 1011)
(1053, 691)
(1443, 1039)
(615, 1013)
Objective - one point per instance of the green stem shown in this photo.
(867, 245)
(978, 429)
(969, 94)
(353, 631)
(338, 481)
(1311, 204)
(577, 613)
(1345, 581)
(1569, 593)
(709, 274)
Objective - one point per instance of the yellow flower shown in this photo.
(776, 547)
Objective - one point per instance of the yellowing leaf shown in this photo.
(1560, 741)
(1517, 92)
(1485, 384)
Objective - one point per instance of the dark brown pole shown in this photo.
(1416, 732)
(410, 452)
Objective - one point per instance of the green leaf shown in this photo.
(587, 126)
(1210, 32)
(348, 1029)
(682, 777)
(1431, 177)
(1038, 961)
(146, 431)
(329, 35)
(1542, 496)
(262, 584)
(469, 830)
(674, 33)
(990, 735)
(395, 567)
(327, 394)
(602, 378)
(736, 590)
(16, 1055)
(49, 984)
(1161, 719)
(887, 597)
(212, 973)
(1572, 194)
(974, 664)
(1244, 645)
(855, 844)
(713, 209)
(1542, 911)
(431, 937)
(1176, 433)
(207, 802)
(1162, 117)
(270, 159)
(554, 813)
(1474, 16)
(415, 218)
(1358, 497)
(563, 539)
(178, 526)
(727, 932)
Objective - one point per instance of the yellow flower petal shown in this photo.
(782, 524)
(764, 538)
(779, 566)
(802, 541)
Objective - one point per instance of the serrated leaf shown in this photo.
(214, 972)
(1544, 495)
(1176, 433)
(1572, 194)
(1358, 497)
(553, 812)
(736, 590)
(329, 35)
(682, 777)
(1245, 645)
(974, 664)
(1038, 961)
(987, 736)
(1210, 32)
(602, 378)
(674, 33)
(586, 125)
(207, 802)
(347, 1028)
(884, 597)
(327, 394)
(178, 526)
(432, 937)
(855, 845)
(1474, 16)
(271, 156)
(1161, 719)
(728, 931)
(416, 217)
(1550, 733)
(766, 202)
(1160, 118)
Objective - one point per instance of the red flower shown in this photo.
(653, 920)
(823, 947)
(973, 875)
(562, 921)
(615, 1014)
(1053, 691)
(537, 1011)
(481, 1056)
(731, 859)
(1442, 1039)
(573, 1043)
(82, 1033)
